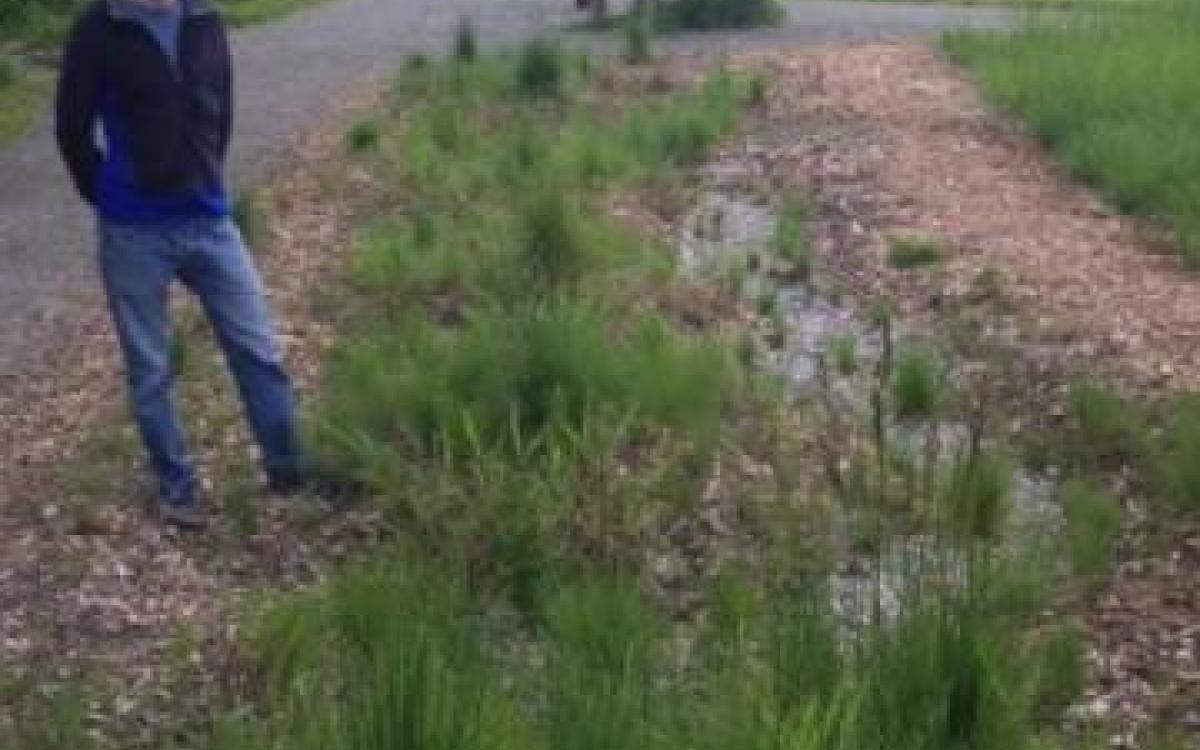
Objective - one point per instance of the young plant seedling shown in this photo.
(917, 251)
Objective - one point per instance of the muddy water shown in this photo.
(727, 236)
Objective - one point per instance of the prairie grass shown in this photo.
(705, 15)
(540, 72)
(915, 252)
(46, 719)
(843, 351)
(1104, 426)
(916, 384)
(1093, 524)
(1111, 94)
(363, 136)
(1175, 462)
(530, 419)
(791, 240)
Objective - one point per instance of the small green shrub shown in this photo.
(680, 130)
(704, 15)
(53, 717)
(466, 46)
(605, 624)
(638, 36)
(541, 70)
(791, 240)
(916, 384)
(980, 494)
(1177, 458)
(1063, 671)
(842, 350)
(501, 382)
(758, 89)
(381, 656)
(604, 640)
(915, 252)
(1102, 424)
(1093, 522)
(555, 248)
(416, 63)
(363, 136)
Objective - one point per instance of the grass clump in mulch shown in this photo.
(1093, 524)
(916, 251)
(917, 385)
(791, 242)
(707, 15)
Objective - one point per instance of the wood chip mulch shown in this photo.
(892, 139)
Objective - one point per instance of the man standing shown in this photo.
(156, 75)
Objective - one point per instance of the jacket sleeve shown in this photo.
(76, 106)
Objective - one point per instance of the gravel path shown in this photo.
(288, 72)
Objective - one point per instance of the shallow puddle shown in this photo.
(728, 234)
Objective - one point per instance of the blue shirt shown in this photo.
(118, 196)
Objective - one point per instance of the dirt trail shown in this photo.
(893, 140)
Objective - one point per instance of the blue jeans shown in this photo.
(139, 263)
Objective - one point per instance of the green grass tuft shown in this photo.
(980, 494)
(1102, 426)
(791, 241)
(542, 68)
(1093, 524)
(705, 15)
(363, 136)
(466, 45)
(1176, 460)
(843, 351)
(916, 384)
(916, 252)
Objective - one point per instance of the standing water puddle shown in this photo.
(728, 236)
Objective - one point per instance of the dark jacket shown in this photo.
(166, 127)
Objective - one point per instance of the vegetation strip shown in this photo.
(517, 387)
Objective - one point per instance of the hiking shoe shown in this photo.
(184, 516)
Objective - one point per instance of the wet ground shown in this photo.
(731, 225)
